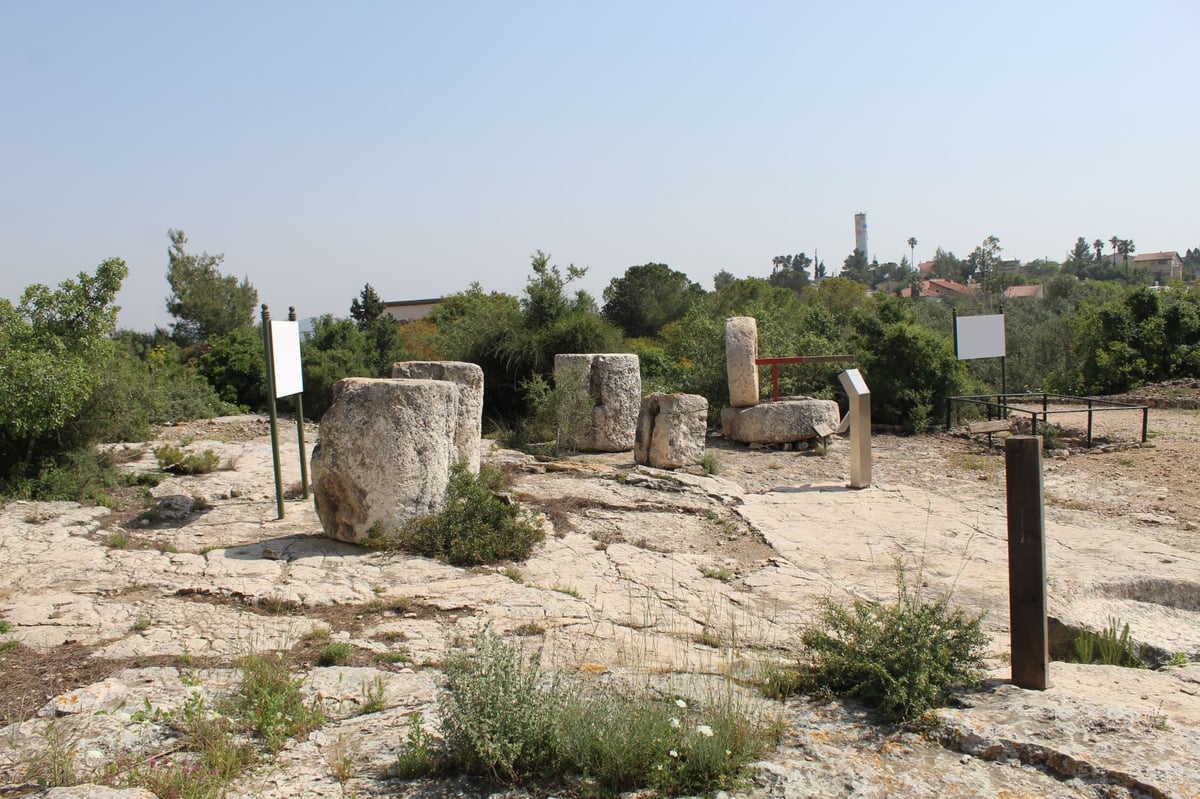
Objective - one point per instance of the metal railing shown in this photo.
(1001, 406)
(775, 362)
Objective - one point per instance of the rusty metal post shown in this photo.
(1030, 639)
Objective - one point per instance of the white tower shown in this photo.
(860, 233)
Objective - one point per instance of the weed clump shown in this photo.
(505, 719)
(476, 526)
(1112, 646)
(177, 461)
(900, 658)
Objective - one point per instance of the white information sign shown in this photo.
(980, 336)
(285, 357)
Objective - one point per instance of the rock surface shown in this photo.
(788, 420)
(741, 350)
(631, 582)
(614, 384)
(384, 454)
(469, 379)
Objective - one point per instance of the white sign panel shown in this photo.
(980, 336)
(285, 357)
(852, 381)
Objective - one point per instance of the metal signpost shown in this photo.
(859, 421)
(285, 378)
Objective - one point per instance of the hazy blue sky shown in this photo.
(420, 146)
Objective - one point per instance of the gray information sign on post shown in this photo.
(859, 419)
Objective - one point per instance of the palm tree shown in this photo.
(1125, 247)
(1099, 245)
(912, 249)
(1114, 241)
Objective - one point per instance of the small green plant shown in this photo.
(53, 764)
(5, 627)
(513, 573)
(178, 461)
(1177, 659)
(1052, 436)
(268, 701)
(568, 590)
(394, 656)
(419, 755)
(528, 628)
(476, 526)
(373, 695)
(142, 622)
(341, 759)
(717, 573)
(118, 540)
(333, 654)
(900, 657)
(1112, 646)
(710, 463)
(318, 636)
(9, 645)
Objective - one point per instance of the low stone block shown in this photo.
(790, 419)
(671, 430)
(613, 381)
(469, 378)
(384, 454)
(741, 350)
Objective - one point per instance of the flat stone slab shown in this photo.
(783, 422)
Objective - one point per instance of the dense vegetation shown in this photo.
(69, 379)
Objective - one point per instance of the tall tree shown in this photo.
(790, 271)
(366, 307)
(205, 303)
(722, 279)
(986, 259)
(912, 250)
(648, 297)
(1114, 241)
(1099, 245)
(856, 268)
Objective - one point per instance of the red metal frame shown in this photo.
(774, 364)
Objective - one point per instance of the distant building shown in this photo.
(1010, 267)
(1035, 291)
(1165, 266)
(407, 310)
(937, 288)
(925, 269)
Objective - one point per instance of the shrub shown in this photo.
(901, 658)
(506, 720)
(475, 526)
(177, 461)
(334, 653)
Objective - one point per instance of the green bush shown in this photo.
(1112, 646)
(177, 461)
(900, 658)
(476, 526)
(505, 719)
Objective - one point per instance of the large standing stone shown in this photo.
(741, 350)
(469, 378)
(384, 454)
(671, 430)
(791, 419)
(614, 384)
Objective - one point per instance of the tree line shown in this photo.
(68, 378)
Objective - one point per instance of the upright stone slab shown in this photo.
(671, 430)
(384, 454)
(789, 420)
(613, 381)
(469, 378)
(741, 350)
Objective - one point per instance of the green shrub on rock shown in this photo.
(475, 526)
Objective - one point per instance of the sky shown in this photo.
(423, 146)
